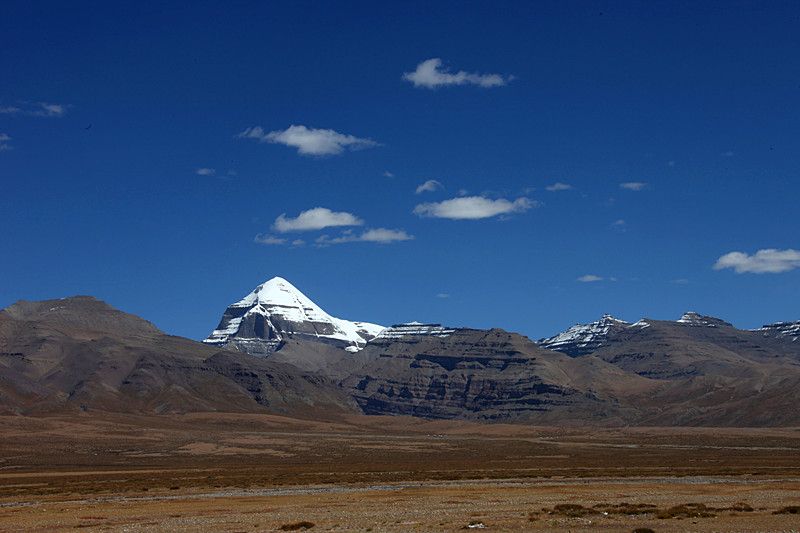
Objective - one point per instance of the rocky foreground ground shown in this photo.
(214, 472)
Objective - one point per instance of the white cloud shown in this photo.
(51, 110)
(4, 138)
(588, 278)
(388, 174)
(268, 239)
(763, 261)
(316, 218)
(39, 109)
(472, 207)
(298, 242)
(429, 74)
(384, 235)
(443, 295)
(430, 185)
(206, 171)
(309, 141)
(633, 185)
(620, 225)
(558, 187)
(379, 235)
(729, 153)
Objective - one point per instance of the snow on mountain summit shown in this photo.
(696, 319)
(275, 311)
(583, 338)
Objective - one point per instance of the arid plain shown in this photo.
(245, 472)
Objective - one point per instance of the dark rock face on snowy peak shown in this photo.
(275, 312)
(80, 354)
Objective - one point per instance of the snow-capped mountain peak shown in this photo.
(275, 311)
(696, 319)
(583, 338)
(790, 330)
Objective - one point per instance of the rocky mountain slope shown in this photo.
(482, 375)
(275, 312)
(81, 354)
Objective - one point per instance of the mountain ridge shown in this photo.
(78, 354)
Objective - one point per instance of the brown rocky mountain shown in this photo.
(663, 374)
(484, 375)
(81, 354)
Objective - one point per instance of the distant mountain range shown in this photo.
(276, 351)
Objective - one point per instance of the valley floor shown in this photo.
(233, 472)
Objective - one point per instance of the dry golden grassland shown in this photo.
(219, 472)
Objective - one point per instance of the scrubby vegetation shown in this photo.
(684, 510)
(297, 526)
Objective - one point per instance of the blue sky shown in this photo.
(523, 165)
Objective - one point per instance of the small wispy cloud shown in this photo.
(430, 75)
(388, 174)
(633, 185)
(38, 109)
(268, 239)
(589, 278)
(314, 219)
(309, 141)
(620, 225)
(729, 153)
(472, 207)
(558, 186)
(443, 295)
(763, 261)
(4, 138)
(377, 235)
(429, 186)
(206, 171)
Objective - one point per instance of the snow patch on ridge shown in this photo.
(415, 329)
(781, 329)
(581, 335)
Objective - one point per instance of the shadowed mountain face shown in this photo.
(81, 354)
(481, 375)
(651, 373)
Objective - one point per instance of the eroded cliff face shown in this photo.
(468, 374)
